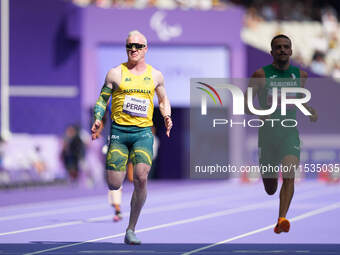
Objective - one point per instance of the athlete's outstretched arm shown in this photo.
(314, 116)
(102, 102)
(96, 133)
(163, 101)
(256, 82)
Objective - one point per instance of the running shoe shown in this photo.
(282, 225)
(131, 238)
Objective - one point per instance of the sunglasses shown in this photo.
(137, 46)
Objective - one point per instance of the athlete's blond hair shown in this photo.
(136, 32)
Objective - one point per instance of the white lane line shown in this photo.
(184, 205)
(174, 195)
(42, 227)
(171, 224)
(158, 209)
(71, 201)
(54, 212)
(305, 195)
(103, 206)
(75, 244)
(220, 187)
(65, 202)
(297, 218)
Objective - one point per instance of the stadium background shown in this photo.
(55, 55)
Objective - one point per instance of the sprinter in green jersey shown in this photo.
(279, 146)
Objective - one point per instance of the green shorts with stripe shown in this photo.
(129, 142)
(275, 144)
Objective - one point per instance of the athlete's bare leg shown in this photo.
(287, 189)
(140, 177)
(115, 179)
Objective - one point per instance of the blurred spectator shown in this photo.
(303, 10)
(104, 3)
(269, 13)
(320, 43)
(318, 64)
(195, 4)
(164, 4)
(161, 4)
(316, 43)
(336, 72)
(252, 18)
(2, 152)
(37, 161)
(73, 151)
(82, 3)
(333, 42)
(299, 59)
(4, 176)
(34, 164)
(140, 4)
(329, 21)
(297, 12)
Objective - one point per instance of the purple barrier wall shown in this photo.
(41, 54)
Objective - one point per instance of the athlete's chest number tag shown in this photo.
(135, 106)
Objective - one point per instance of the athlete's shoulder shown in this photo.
(157, 76)
(268, 68)
(114, 74)
(115, 70)
(155, 71)
(295, 68)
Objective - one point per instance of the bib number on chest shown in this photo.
(135, 106)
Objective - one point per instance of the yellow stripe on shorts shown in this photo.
(121, 153)
(146, 154)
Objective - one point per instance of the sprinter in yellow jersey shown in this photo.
(132, 86)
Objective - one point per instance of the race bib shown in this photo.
(135, 106)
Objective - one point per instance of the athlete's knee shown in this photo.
(140, 180)
(114, 185)
(140, 176)
(113, 182)
(290, 162)
(288, 181)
